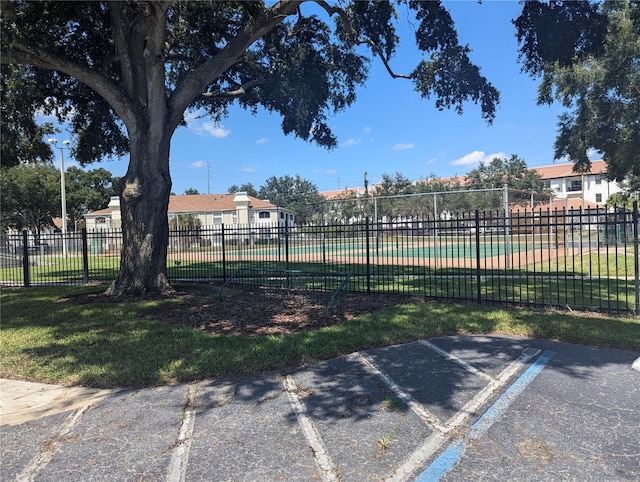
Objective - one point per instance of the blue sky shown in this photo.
(389, 128)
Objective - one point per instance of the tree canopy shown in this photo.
(31, 195)
(123, 73)
(22, 137)
(246, 187)
(294, 193)
(513, 173)
(586, 55)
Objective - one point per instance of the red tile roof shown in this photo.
(338, 193)
(203, 203)
(211, 202)
(554, 171)
(558, 171)
(558, 204)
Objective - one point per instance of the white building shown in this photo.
(577, 189)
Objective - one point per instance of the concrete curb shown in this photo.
(22, 401)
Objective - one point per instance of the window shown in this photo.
(574, 185)
(101, 220)
(598, 180)
(264, 215)
(598, 198)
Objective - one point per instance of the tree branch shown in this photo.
(193, 85)
(23, 54)
(357, 40)
(232, 94)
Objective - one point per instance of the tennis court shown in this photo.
(398, 248)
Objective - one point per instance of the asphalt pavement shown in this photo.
(451, 408)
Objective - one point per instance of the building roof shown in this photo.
(558, 204)
(558, 171)
(99, 212)
(554, 171)
(572, 204)
(211, 202)
(197, 203)
(338, 193)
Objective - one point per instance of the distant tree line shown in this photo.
(31, 195)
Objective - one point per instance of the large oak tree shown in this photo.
(587, 57)
(124, 73)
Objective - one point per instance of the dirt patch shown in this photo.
(254, 311)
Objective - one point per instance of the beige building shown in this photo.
(210, 210)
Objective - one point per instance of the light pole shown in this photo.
(63, 192)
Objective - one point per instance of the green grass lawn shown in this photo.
(45, 337)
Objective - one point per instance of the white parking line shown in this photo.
(41, 460)
(424, 414)
(320, 453)
(455, 359)
(180, 455)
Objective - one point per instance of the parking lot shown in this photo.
(451, 408)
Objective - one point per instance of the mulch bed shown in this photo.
(254, 311)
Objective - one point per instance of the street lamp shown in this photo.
(63, 191)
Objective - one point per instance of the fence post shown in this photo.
(85, 256)
(478, 278)
(286, 243)
(368, 257)
(224, 257)
(507, 233)
(636, 263)
(26, 282)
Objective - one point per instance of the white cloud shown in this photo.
(198, 164)
(351, 142)
(262, 140)
(213, 129)
(476, 157)
(195, 122)
(249, 168)
(366, 130)
(404, 147)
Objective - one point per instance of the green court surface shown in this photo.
(391, 250)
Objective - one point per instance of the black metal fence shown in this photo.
(586, 259)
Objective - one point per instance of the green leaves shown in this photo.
(294, 193)
(30, 196)
(513, 172)
(557, 32)
(588, 55)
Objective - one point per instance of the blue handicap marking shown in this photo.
(454, 452)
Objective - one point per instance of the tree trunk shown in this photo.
(144, 201)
